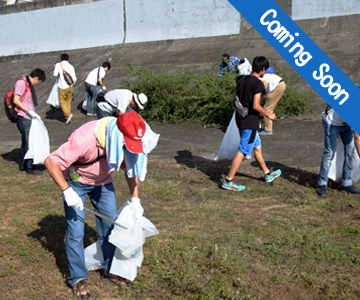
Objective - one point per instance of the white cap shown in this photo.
(140, 100)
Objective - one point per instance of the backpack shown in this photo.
(10, 109)
(67, 76)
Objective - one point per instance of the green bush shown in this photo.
(195, 94)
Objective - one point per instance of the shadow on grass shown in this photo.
(216, 169)
(211, 168)
(14, 156)
(294, 175)
(51, 235)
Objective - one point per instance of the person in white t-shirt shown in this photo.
(119, 100)
(335, 126)
(94, 80)
(65, 90)
(274, 88)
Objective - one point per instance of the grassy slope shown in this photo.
(273, 241)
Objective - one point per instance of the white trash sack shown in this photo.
(230, 143)
(128, 255)
(245, 68)
(39, 143)
(336, 167)
(53, 99)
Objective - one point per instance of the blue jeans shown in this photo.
(91, 92)
(103, 200)
(24, 127)
(330, 143)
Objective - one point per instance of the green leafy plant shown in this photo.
(199, 94)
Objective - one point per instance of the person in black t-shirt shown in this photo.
(249, 90)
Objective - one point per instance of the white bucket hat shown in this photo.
(140, 100)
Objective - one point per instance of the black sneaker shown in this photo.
(81, 290)
(350, 189)
(34, 172)
(322, 190)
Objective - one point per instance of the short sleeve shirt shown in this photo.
(83, 151)
(247, 87)
(92, 78)
(58, 72)
(273, 81)
(20, 86)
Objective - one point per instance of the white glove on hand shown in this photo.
(135, 203)
(33, 115)
(72, 199)
(103, 88)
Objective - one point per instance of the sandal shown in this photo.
(117, 280)
(81, 291)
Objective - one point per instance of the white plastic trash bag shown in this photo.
(150, 139)
(128, 255)
(230, 143)
(53, 99)
(93, 256)
(336, 167)
(129, 240)
(245, 68)
(39, 144)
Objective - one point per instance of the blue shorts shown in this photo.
(249, 140)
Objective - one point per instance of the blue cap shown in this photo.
(270, 70)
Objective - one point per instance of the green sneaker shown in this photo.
(231, 186)
(271, 175)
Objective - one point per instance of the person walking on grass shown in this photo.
(92, 152)
(249, 90)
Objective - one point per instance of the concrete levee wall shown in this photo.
(63, 25)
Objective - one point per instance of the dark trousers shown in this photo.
(24, 127)
(91, 94)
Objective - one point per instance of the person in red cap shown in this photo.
(82, 166)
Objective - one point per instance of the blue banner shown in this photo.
(293, 44)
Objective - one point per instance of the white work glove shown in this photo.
(72, 199)
(135, 203)
(103, 88)
(33, 114)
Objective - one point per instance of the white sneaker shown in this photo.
(68, 119)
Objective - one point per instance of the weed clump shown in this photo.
(200, 95)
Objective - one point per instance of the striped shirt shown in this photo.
(19, 89)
